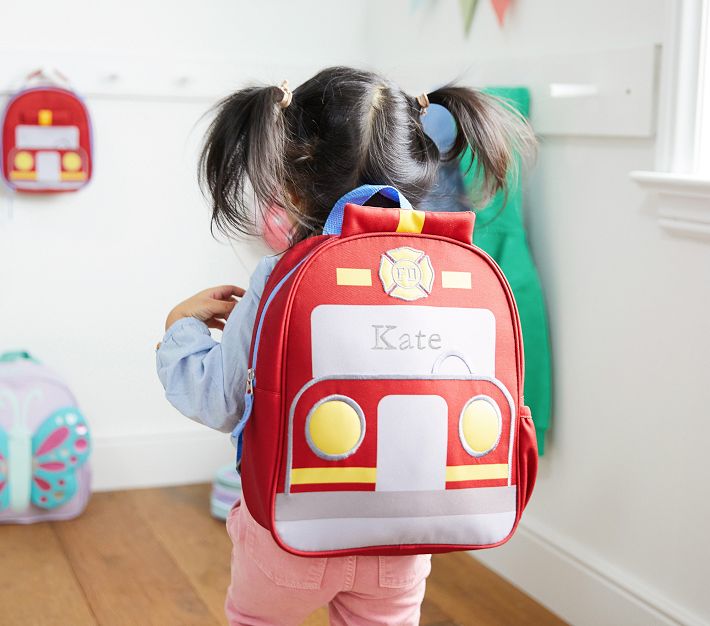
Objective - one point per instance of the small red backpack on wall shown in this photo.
(46, 138)
(384, 405)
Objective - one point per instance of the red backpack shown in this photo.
(45, 143)
(384, 406)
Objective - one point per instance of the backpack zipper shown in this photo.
(236, 435)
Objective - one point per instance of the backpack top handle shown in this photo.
(363, 219)
(360, 195)
(349, 217)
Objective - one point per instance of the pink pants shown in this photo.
(272, 587)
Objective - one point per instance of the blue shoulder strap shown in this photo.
(360, 195)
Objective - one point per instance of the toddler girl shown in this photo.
(300, 152)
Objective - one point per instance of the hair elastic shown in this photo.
(288, 95)
(423, 101)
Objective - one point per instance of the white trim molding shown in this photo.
(683, 202)
(681, 184)
(577, 585)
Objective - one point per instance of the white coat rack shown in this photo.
(598, 93)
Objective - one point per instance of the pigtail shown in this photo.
(241, 167)
(498, 135)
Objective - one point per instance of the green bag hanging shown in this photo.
(500, 232)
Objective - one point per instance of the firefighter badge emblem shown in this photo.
(406, 273)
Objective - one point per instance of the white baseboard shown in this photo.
(158, 459)
(578, 586)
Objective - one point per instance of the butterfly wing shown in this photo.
(59, 447)
(4, 486)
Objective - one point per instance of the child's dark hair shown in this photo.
(344, 128)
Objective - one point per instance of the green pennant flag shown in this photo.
(468, 9)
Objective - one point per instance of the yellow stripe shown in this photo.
(44, 117)
(410, 221)
(318, 475)
(73, 175)
(456, 280)
(15, 175)
(330, 475)
(476, 472)
(353, 277)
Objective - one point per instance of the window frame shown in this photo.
(680, 181)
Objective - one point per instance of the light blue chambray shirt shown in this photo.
(205, 379)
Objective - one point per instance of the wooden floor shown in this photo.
(156, 557)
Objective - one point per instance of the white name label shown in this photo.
(38, 137)
(404, 340)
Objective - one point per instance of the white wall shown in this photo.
(616, 532)
(87, 279)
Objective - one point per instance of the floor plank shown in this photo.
(473, 594)
(434, 615)
(197, 542)
(156, 556)
(317, 618)
(127, 575)
(34, 570)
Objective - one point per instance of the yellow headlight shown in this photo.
(71, 161)
(335, 427)
(480, 425)
(24, 161)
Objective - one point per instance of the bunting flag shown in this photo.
(501, 8)
(468, 9)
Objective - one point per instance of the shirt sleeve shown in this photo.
(204, 379)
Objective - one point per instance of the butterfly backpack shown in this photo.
(384, 397)
(44, 444)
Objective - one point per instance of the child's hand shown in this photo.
(211, 306)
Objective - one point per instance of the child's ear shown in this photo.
(293, 196)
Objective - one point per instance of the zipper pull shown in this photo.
(237, 438)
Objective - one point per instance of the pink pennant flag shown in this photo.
(501, 8)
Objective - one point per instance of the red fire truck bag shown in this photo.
(46, 140)
(384, 407)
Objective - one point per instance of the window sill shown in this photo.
(683, 202)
